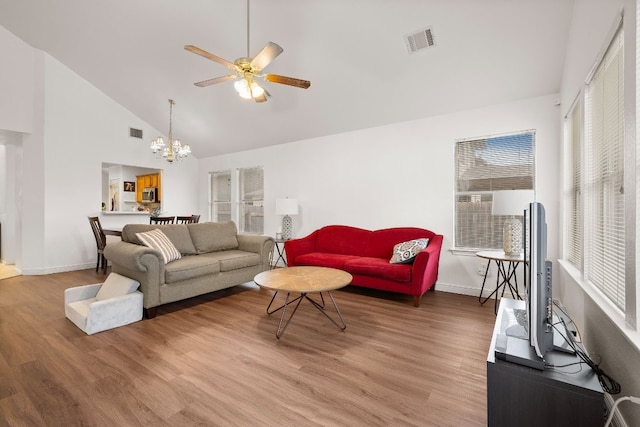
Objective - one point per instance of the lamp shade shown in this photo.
(511, 202)
(286, 207)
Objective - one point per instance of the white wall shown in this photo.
(85, 128)
(397, 175)
(16, 83)
(69, 128)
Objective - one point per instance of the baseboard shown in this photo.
(63, 269)
(458, 289)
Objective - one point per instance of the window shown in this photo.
(221, 196)
(484, 165)
(604, 181)
(251, 200)
(248, 187)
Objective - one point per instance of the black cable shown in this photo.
(608, 384)
(578, 336)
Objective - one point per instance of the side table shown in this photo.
(507, 265)
(279, 244)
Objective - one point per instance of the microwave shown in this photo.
(149, 195)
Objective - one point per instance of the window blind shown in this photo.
(485, 165)
(604, 184)
(251, 198)
(574, 196)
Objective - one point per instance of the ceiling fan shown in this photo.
(246, 70)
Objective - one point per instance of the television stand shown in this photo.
(520, 393)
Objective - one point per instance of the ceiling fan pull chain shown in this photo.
(247, 28)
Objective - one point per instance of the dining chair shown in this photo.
(101, 242)
(162, 219)
(191, 219)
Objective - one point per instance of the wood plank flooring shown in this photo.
(215, 361)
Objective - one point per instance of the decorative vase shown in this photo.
(287, 228)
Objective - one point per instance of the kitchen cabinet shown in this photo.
(147, 181)
(139, 187)
(159, 186)
(151, 181)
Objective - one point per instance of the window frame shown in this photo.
(492, 237)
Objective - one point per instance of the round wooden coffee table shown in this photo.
(303, 280)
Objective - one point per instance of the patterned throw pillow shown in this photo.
(405, 252)
(156, 239)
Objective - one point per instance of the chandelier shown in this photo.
(173, 150)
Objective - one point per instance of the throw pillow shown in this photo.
(115, 286)
(156, 239)
(405, 252)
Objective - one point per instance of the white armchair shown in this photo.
(102, 306)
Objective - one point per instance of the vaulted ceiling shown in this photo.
(353, 52)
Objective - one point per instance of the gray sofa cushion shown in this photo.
(213, 236)
(234, 259)
(177, 233)
(190, 267)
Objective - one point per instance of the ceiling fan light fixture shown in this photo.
(248, 90)
(247, 68)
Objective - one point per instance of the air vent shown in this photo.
(419, 40)
(135, 133)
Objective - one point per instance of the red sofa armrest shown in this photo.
(425, 267)
(295, 247)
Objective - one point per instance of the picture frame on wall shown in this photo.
(129, 186)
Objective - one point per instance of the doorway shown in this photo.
(10, 190)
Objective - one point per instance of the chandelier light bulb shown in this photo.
(157, 144)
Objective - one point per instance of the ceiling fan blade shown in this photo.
(275, 78)
(214, 81)
(268, 53)
(210, 56)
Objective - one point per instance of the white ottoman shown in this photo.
(102, 306)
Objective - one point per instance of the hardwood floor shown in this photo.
(215, 361)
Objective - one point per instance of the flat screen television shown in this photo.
(538, 280)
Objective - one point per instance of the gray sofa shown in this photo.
(214, 257)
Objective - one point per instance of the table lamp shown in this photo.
(511, 203)
(286, 207)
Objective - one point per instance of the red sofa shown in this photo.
(365, 255)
